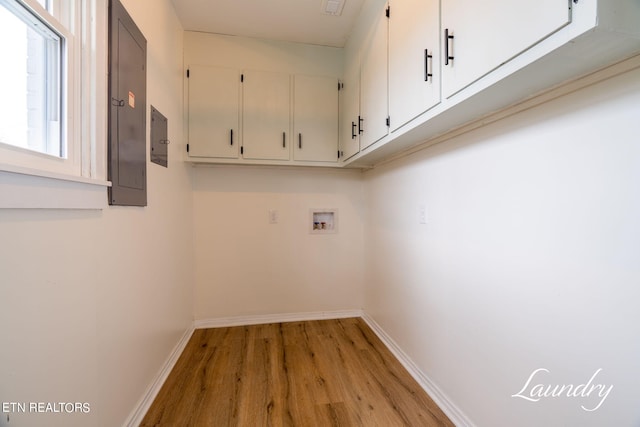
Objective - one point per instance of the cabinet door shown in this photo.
(315, 118)
(486, 34)
(414, 59)
(350, 99)
(374, 108)
(214, 111)
(265, 118)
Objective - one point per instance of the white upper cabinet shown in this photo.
(266, 115)
(240, 117)
(492, 55)
(315, 118)
(414, 59)
(479, 36)
(350, 102)
(374, 107)
(411, 78)
(214, 112)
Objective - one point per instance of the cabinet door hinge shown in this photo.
(388, 121)
(388, 12)
(188, 73)
(187, 148)
(241, 78)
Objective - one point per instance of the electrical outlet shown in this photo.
(273, 216)
(422, 214)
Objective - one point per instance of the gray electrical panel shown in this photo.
(127, 112)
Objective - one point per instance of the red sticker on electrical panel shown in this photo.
(132, 100)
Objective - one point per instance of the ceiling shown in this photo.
(299, 21)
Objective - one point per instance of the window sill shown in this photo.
(24, 188)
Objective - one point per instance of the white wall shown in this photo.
(94, 302)
(530, 258)
(258, 54)
(246, 266)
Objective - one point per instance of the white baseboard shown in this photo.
(448, 407)
(275, 318)
(149, 396)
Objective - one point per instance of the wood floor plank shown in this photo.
(333, 415)
(317, 373)
(396, 381)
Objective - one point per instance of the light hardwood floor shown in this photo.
(314, 373)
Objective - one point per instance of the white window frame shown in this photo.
(29, 179)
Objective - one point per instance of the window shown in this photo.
(31, 82)
(53, 103)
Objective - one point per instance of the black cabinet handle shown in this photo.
(300, 141)
(353, 130)
(427, 57)
(284, 139)
(360, 121)
(231, 137)
(447, 37)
